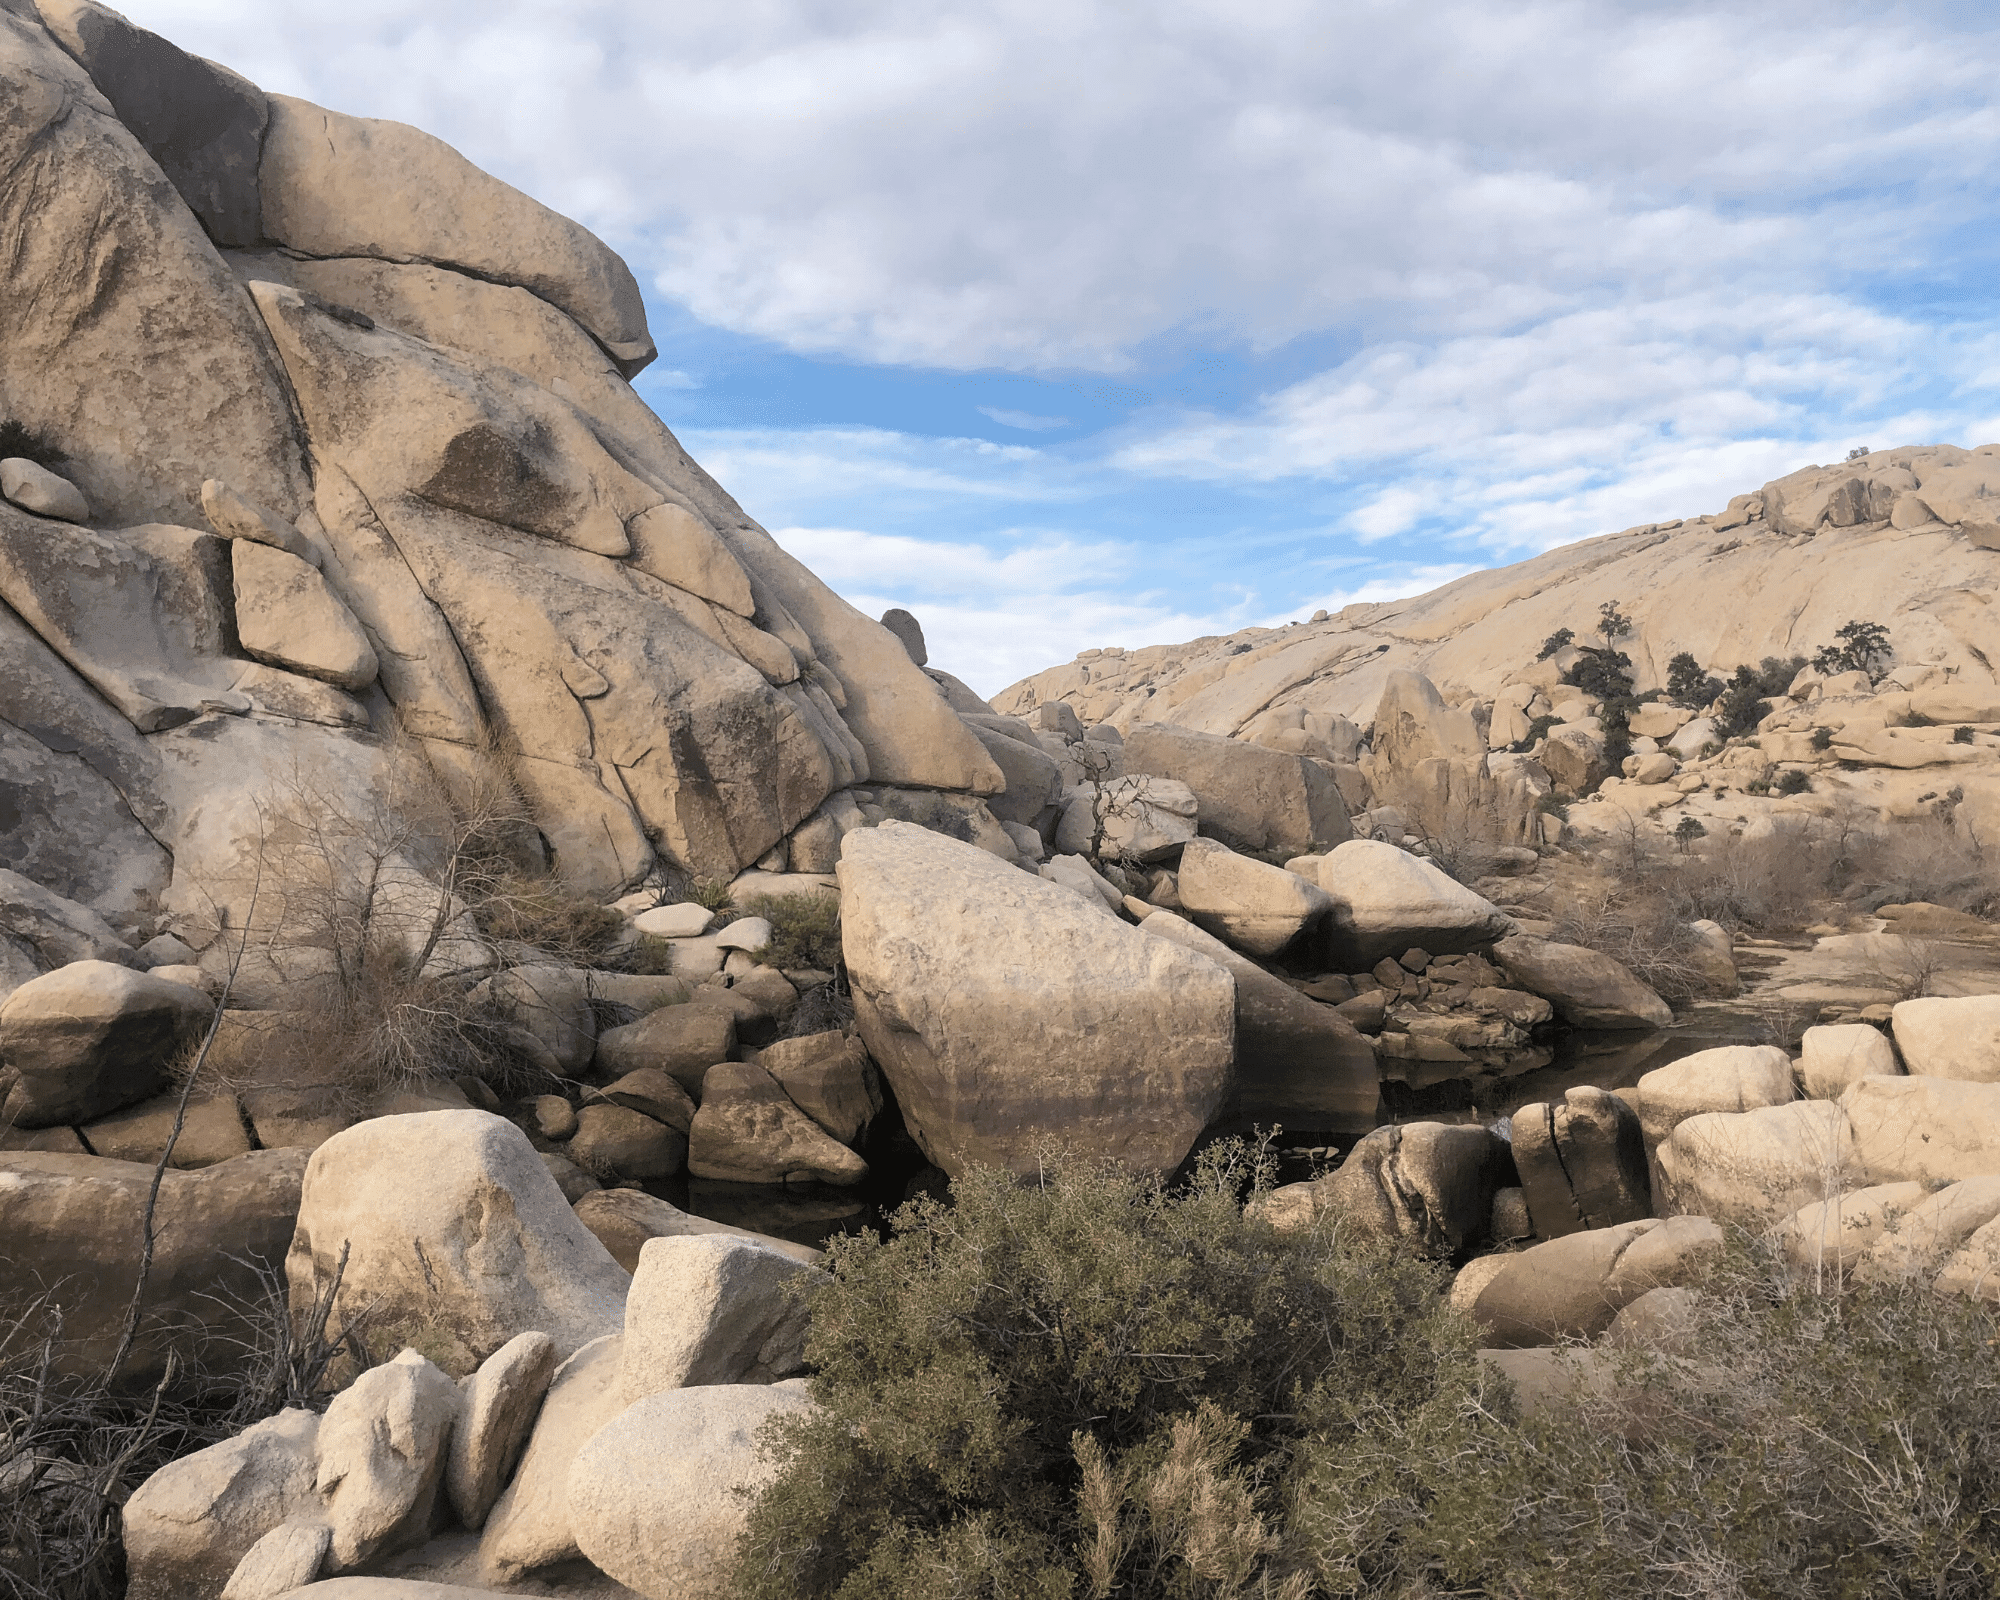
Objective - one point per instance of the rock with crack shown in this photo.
(1574, 1286)
(1588, 988)
(1002, 1008)
(1251, 904)
(711, 1309)
(1431, 1183)
(1251, 798)
(287, 617)
(379, 1459)
(497, 1413)
(747, 1130)
(1582, 1163)
(829, 1077)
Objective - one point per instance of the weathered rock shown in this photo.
(334, 185)
(212, 1130)
(1078, 876)
(189, 1524)
(709, 1309)
(1951, 1038)
(829, 1077)
(58, 930)
(496, 1414)
(745, 933)
(571, 1179)
(47, 494)
(1250, 904)
(910, 631)
(555, 1117)
(1916, 1245)
(151, 379)
(1001, 1008)
(748, 1131)
(1733, 1077)
(1665, 1321)
(286, 615)
(379, 1459)
(1587, 988)
(289, 1557)
(681, 1041)
(1932, 1130)
(73, 1224)
(1582, 1163)
(88, 1038)
(684, 920)
(484, 1245)
(1385, 900)
(615, 1141)
(661, 1495)
(1251, 798)
(529, 1527)
(1833, 1235)
(234, 517)
(1572, 1287)
(1431, 1183)
(1034, 780)
(653, 1092)
(1831, 1059)
(1413, 724)
(624, 1219)
(1298, 1063)
(1756, 1167)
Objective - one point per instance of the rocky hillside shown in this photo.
(1907, 538)
(314, 432)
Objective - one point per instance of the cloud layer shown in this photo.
(1299, 299)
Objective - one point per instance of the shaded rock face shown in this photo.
(1002, 1007)
(396, 390)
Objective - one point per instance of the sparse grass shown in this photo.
(711, 894)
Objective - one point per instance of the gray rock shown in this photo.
(1735, 1077)
(453, 1222)
(529, 1527)
(681, 1041)
(379, 1459)
(708, 1309)
(1251, 798)
(1587, 988)
(613, 1140)
(234, 517)
(749, 1131)
(660, 1496)
(58, 929)
(624, 1219)
(1582, 1163)
(496, 1414)
(1573, 1286)
(829, 1077)
(1832, 1059)
(1021, 1010)
(88, 1038)
(1431, 1183)
(45, 493)
(1251, 904)
(212, 1130)
(649, 1090)
(1930, 1130)
(188, 1526)
(1034, 779)
(910, 631)
(288, 1557)
(571, 1179)
(1385, 900)
(1956, 1037)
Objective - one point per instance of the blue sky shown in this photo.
(1069, 324)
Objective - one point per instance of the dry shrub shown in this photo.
(1634, 921)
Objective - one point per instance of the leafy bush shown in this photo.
(805, 929)
(1089, 1374)
(1860, 647)
(1742, 705)
(1560, 640)
(1822, 738)
(1538, 730)
(1793, 780)
(1603, 672)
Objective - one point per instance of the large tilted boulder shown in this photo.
(713, 1309)
(1004, 1010)
(498, 1406)
(73, 1224)
(624, 1219)
(1431, 1183)
(1253, 905)
(1588, 988)
(1386, 901)
(379, 1459)
(747, 1130)
(1949, 1038)
(660, 1496)
(1582, 1163)
(1250, 798)
(189, 1524)
(1835, 1057)
(1572, 1287)
(453, 1223)
(89, 1038)
(1299, 1063)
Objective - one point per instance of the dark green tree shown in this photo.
(1688, 685)
(1859, 647)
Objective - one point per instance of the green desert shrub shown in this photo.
(805, 929)
(1089, 1383)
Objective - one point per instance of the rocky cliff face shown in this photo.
(340, 446)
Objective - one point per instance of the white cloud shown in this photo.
(1027, 421)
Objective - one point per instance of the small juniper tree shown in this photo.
(1688, 685)
(1860, 647)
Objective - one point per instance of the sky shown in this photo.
(1068, 324)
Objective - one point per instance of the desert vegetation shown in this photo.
(1089, 1384)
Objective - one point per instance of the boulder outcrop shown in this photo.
(1003, 1009)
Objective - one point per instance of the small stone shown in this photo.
(909, 631)
(555, 1117)
(683, 921)
(499, 1403)
(288, 1557)
(34, 488)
